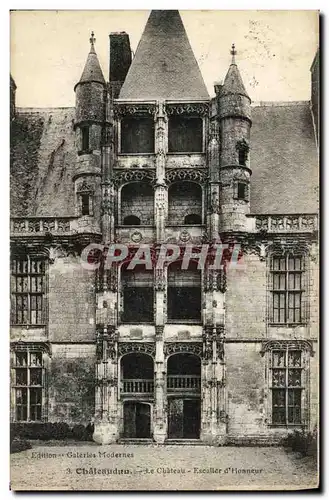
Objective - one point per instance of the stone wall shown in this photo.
(71, 301)
(71, 382)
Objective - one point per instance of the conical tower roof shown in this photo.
(92, 71)
(164, 65)
(233, 83)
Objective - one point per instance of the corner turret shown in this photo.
(234, 116)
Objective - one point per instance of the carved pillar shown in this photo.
(161, 193)
(213, 425)
(106, 411)
(160, 419)
(107, 161)
(213, 185)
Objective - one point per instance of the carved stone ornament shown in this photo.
(185, 236)
(85, 187)
(200, 109)
(122, 176)
(131, 347)
(31, 346)
(302, 345)
(215, 280)
(122, 109)
(186, 174)
(177, 347)
(136, 236)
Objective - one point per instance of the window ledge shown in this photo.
(287, 325)
(185, 153)
(85, 152)
(136, 323)
(184, 322)
(287, 426)
(27, 326)
(136, 154)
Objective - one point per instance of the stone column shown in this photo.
(106, 415)
(161, 192)
(213, 185)
(159, 417)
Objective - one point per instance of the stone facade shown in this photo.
(210, 377)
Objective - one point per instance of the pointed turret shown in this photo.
(90, 89)
(233, 83)
(90, 119)
(164, 66)
(92, 71)
(234, 116)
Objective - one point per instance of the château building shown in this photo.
(227, 355)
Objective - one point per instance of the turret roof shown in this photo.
(233, 83)
(164, 65)
(92, 71)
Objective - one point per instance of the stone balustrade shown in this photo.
(286, 223)
(42, 225)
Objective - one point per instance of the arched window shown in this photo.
(184, 199)
(137, 198)
(193, 219)
(131, 220)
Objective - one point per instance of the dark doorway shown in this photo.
(137, 420)
(184, 418)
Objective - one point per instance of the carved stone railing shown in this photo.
(42, 225)
(178, 383)
(137, 386)
(286, 223)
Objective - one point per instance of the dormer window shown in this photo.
(185, 134)
(84, 139)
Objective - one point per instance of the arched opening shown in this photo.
(137, 200)
(184, 401)
(185, 134)
(137, 380)
(131, 220)
(192, 219)
(137, 295)
(184, 293)
(137, 134)
(184, 199)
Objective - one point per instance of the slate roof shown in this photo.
(164, 65)
(92, 71)
(284, 159)
(233, 83)
(283, 153)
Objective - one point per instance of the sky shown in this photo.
(275, 49)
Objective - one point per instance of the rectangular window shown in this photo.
(137, 135)
(185, 134)
(286, 386)
(28, 280)
(28, 385)
(138, 297)
(243, 155)
(184, 303)
(241, 191)
(286, 289)
(85, 138)
(85, 209)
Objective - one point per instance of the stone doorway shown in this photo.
(184, 418)
(136, 420)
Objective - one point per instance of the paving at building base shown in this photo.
(141, 467)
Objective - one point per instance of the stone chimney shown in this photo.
(120, 61)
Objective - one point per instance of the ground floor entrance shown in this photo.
(184, 418)
(137, 420)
